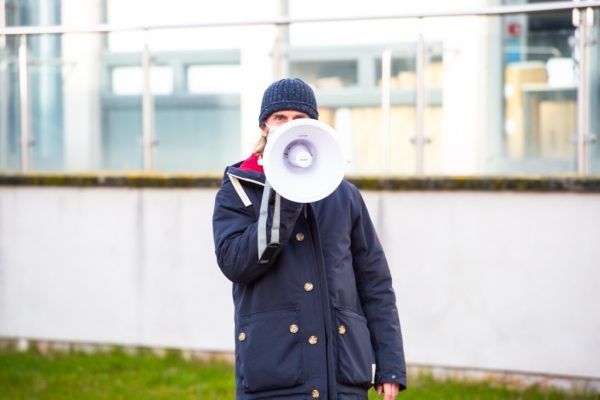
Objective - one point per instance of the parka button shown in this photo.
(242, 336)
(308, 286)
(312, 340)
(294, 328)
(341, 329)
(300, 236)
(315, 394)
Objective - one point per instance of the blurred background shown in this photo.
(495, 280)
(444, 95)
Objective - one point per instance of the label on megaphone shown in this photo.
(304, 160)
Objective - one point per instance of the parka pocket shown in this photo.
(354, 350)
(270, 352)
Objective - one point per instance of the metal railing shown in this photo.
(582, 20)
(487, 11)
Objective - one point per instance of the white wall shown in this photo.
(498, 280)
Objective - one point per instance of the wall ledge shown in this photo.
(558, 183)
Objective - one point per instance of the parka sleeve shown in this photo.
(235, 231)
(377, 297)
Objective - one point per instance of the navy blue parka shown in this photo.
(315, 311)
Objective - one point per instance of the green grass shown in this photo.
(116, 375)
(425, 387)
(113, 375)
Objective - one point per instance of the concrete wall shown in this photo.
(500, 280)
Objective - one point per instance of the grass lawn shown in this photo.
(117, 375)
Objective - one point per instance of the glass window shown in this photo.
(193, 138)
(403, 72)
(372, 154)
(326, 74)
(129, 80)
(9, 108)
(540, 94)
(197, 116)
(214, 79)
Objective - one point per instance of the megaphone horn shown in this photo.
(303, 160)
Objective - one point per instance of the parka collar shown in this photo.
(255, 177)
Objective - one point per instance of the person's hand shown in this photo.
(389, 390)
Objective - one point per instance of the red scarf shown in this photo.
(251, 164)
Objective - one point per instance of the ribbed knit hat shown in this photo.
(288, 94)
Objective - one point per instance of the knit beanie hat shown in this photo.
(288, 94)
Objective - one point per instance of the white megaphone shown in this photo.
(303, 160)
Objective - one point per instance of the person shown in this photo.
(315, 311)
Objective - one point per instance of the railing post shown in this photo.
(583, 19)
(3, 113)
(2, 22)
(420, 140)
(25, 109)
(386, 73)
(148, 127)
(3, 92)
(281, 45)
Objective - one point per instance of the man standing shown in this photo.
(315, 311)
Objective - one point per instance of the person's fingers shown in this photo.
(395, 391)
(387, 390)
(378, 389)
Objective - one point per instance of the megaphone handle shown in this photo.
(262, 220)
(276, 219)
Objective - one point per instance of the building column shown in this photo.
(82, 107)
(472, 98)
